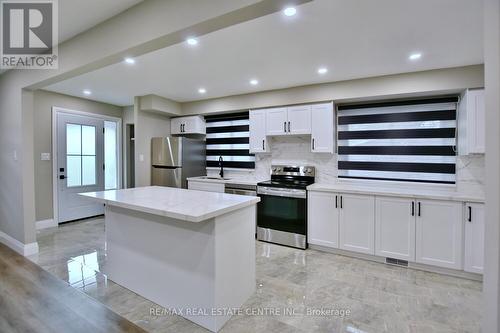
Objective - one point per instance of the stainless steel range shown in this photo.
(282, 211)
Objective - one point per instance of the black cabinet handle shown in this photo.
(419, 209)
(313, 144)
(180, 128)
(263, 144)
(470, 214)
(341, 202)
(284, 127)
(413, 208)
(288, 127)
(336, 202)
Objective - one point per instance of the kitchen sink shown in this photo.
(214, 178)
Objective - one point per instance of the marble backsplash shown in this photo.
(297, 150)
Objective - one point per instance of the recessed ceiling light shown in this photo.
(87, 92)
(322, 70)
(415, 56)
(290, 11)
(130, 61)
(254, 82)
(192, 41)
(202, 90)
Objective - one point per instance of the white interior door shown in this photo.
(80, 165)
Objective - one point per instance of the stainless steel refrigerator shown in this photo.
(174, 159)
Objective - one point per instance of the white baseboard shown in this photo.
(22, 249)
(44, 224)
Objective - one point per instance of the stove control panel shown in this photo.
(293, 170)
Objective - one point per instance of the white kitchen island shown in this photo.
(191, 252)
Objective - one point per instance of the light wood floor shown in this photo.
(33, 300)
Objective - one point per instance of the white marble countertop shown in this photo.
(235, 180)
(411, 191)
(182, 204)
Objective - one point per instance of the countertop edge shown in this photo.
(182, 217)
(395, 193)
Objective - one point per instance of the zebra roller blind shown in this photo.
(412, 141)
(228, 136)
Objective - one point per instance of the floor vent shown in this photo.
(398, 262)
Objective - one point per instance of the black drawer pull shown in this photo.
(470, 214)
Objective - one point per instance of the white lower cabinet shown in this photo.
(430, 232)
(395, 228)
(323, 219)
(439, 235)
(206, 186)
(357, 223)
(474, 238)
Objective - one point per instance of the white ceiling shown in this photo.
(76, 16)
(354, 39)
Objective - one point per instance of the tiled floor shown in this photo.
(290, 285)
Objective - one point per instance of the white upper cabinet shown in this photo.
(277, 121)
(439, 233)
(294, 120)
(471, 123)
(258, 139)
(474, 238)
(395, 228)
(323, 219)
(187, 125)
(299, 119)
(357, 223)
(322, 128)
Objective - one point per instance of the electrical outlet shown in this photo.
(45, 156)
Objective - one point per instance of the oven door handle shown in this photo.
(290, 193)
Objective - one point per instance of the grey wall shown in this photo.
(147, 125)
(146, 27)
(43, 103)
(390, 86)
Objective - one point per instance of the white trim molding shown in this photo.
(119, 140)
(44, 224)
(14, 244)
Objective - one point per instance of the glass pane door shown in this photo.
(80, 155)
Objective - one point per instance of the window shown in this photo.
(228, 136)
(411, 141)
(80, 155)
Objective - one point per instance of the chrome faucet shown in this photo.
(221, 165)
